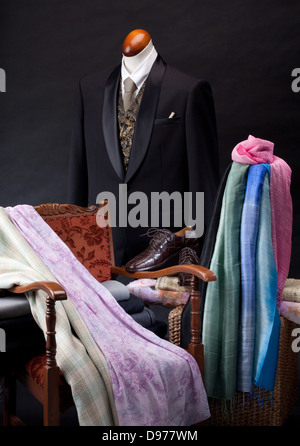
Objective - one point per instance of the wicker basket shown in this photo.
(259, 411)
(174, 322)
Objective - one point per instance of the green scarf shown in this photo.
(221, 311)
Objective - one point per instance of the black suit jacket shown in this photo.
(178, 154)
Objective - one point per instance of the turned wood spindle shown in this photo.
(196, 346)
(50, 341)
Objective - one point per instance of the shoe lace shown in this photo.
(158, 236)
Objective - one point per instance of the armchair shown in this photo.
(76, 226)
(43, 377)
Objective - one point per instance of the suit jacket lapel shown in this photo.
(110, 122)
(145, 118)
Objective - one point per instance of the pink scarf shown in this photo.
(260, 151)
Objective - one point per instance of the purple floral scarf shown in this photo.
(154, 382)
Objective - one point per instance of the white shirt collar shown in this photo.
(141, 73)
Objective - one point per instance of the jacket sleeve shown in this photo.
(202, 146)
(78, 176)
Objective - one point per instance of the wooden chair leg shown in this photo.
(51, 370)
(51, 396)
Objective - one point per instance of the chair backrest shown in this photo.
(77, 226)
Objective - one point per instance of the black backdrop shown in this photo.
(247, 50)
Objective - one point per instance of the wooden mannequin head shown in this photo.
(135, 42)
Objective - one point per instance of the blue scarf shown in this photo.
(221, 311)
(241, 324)
(259, 327)
(248, 238)
(267, 320)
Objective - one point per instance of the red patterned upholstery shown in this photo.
(91, 245)
(88, 242)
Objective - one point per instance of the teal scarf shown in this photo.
(221, 311)
(241, 324)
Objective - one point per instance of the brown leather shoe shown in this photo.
(187, 256)
(163, 250)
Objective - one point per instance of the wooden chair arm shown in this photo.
(54, 292)
(196, 270)
(53, 289)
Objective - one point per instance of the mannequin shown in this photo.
(136, 48)
(173, 146)
(135, 42)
